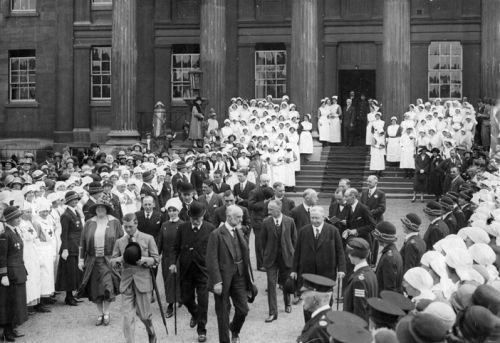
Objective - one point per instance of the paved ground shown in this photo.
(76, 324)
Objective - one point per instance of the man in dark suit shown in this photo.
(301, 214)
(456, 180)
(113, 199)
(190, 251)
(180, 176)
(147, 188)
(198, 175)
(95, 191)
(219, 186)
(445, 168)
(348, 123)
(220, 214)
(389, 263)
(186, 193)
(374, 199)
(279, 237)
(449, 217)
(229, 274)
(149, 220)
(360, 221)
(318, 250)
(210, 199)
(243, 187)
(413, 246)
(287, 204)
(257, 204)
(437, 229)
(338, 210)
(457, 211)
(166, 191)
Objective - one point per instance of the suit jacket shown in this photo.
(349, 116)
(389, 270)
(335, 215)
(362, 220)
(246, 224)
(191, 247)
(220, 258)
(412, 252)
(71, 231)
(451, 222)
(197, 177)
(150, 226)
(148, 190)
(270, 241)
(456, 183)
(11, 257)
(375, 203)
(165, 194)
(117, 208)
(424, 165)
(257, 205)
(323, 256)
(219, 189)
(176, 179)
(287, 205)
(139, 275)
(361, 285)
(243, 193)
(212, 205)
(300, 216)
(437, 230)
(460, 218)
(86, 208)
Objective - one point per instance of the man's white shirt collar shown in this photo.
(360, 265)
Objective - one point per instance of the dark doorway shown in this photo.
(359, 81)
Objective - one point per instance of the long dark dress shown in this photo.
(166, 240)
(421, 178)
(435, 182)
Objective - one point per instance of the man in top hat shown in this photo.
(13, 276)
(319, 250)
(437, 229)
(413, 246)
(229, 274)
(389, 263)
(69, 276)
(383, 314)
(186, 194)
(316, 294)
(136, 252)
(362, 284)
(95, 191)
(148, 189)
(190, 250)
(279, 236)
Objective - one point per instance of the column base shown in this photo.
(122, 137)
(81, 136)
(63, 136)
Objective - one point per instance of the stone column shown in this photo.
(396, 58)
(213, 54)
(123, 73)
(304, 78)
(490, 49)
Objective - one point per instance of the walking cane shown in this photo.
(155, 287)
(175, 303)
(339, 286)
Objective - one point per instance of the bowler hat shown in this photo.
(196, 210)
(478, 323)
(70, 196)
(185, 187)
(289, 286)
(181, 164)
(11, 213)
(132, 253)
(385, 232)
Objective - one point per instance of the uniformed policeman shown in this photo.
(449, 218)
(414, 246)
(437, 229)
(316, 294)
(362, 284)
(389, 264)
(342, 333)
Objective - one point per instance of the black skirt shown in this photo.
(100, 286)
(69, 277)
(13, 308)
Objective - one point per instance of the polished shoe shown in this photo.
(8, 337)
(71, 302)
(235, 339)
(288, 309)
(98, 321)
(106, 319)
(192, 322)
(41, 309)
(271, 318)
(202, 338)
(295, 300)
(170, 312)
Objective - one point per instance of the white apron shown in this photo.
(323, 124)
(306, 141)
(31, 262)
(393, 144)
(407, 152)
(377, 153)
(335, 125)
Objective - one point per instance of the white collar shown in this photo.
(353, 206)
(360, 265)
(279, 219)
(372, 190)
(308, 208)
(319, 227)
(411, 234)
(321, 309)
(230, 228)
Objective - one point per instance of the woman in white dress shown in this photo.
(434, 140)
(293, 140)
(306, 141)
(408, 145)
(288, 168)
(335, 124)
(377, 153)
(393, 141)
(370, 118)
(324, 122)
(378, 124)
(277, 164)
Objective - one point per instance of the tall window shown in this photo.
(445, 70)
(185, 58)
(23, 5)
(270, 73)
(22, 75)
(101, 73)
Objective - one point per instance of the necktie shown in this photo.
(148, 216)
(130, 238)
(316, 232)
(309, 211)
(195, 229)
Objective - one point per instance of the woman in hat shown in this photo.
(393, 141)
(13, 309)
(306, 141)
(197, 117)
(100, 282)
(418, 284)
(436, 176)
(334, 118)
(166, 240)
(422, 169)
(370, 118)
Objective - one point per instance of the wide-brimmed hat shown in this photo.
(132, 253)
(385, 232)
(101, 203)
(70, 196)
(196, 210)
(95, 187)
(11, 213)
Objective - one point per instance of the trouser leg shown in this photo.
(272, 274)
(239, 297)
(202, 298)
(143, 309)
(222, 311)
(128, 312)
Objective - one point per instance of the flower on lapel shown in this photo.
(375, 196)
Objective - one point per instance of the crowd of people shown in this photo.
(100, 225)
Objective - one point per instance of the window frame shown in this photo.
(22, 85)
(448, 73)
(100, 74)
(278, 81)
(182, 69)
(30, 10)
